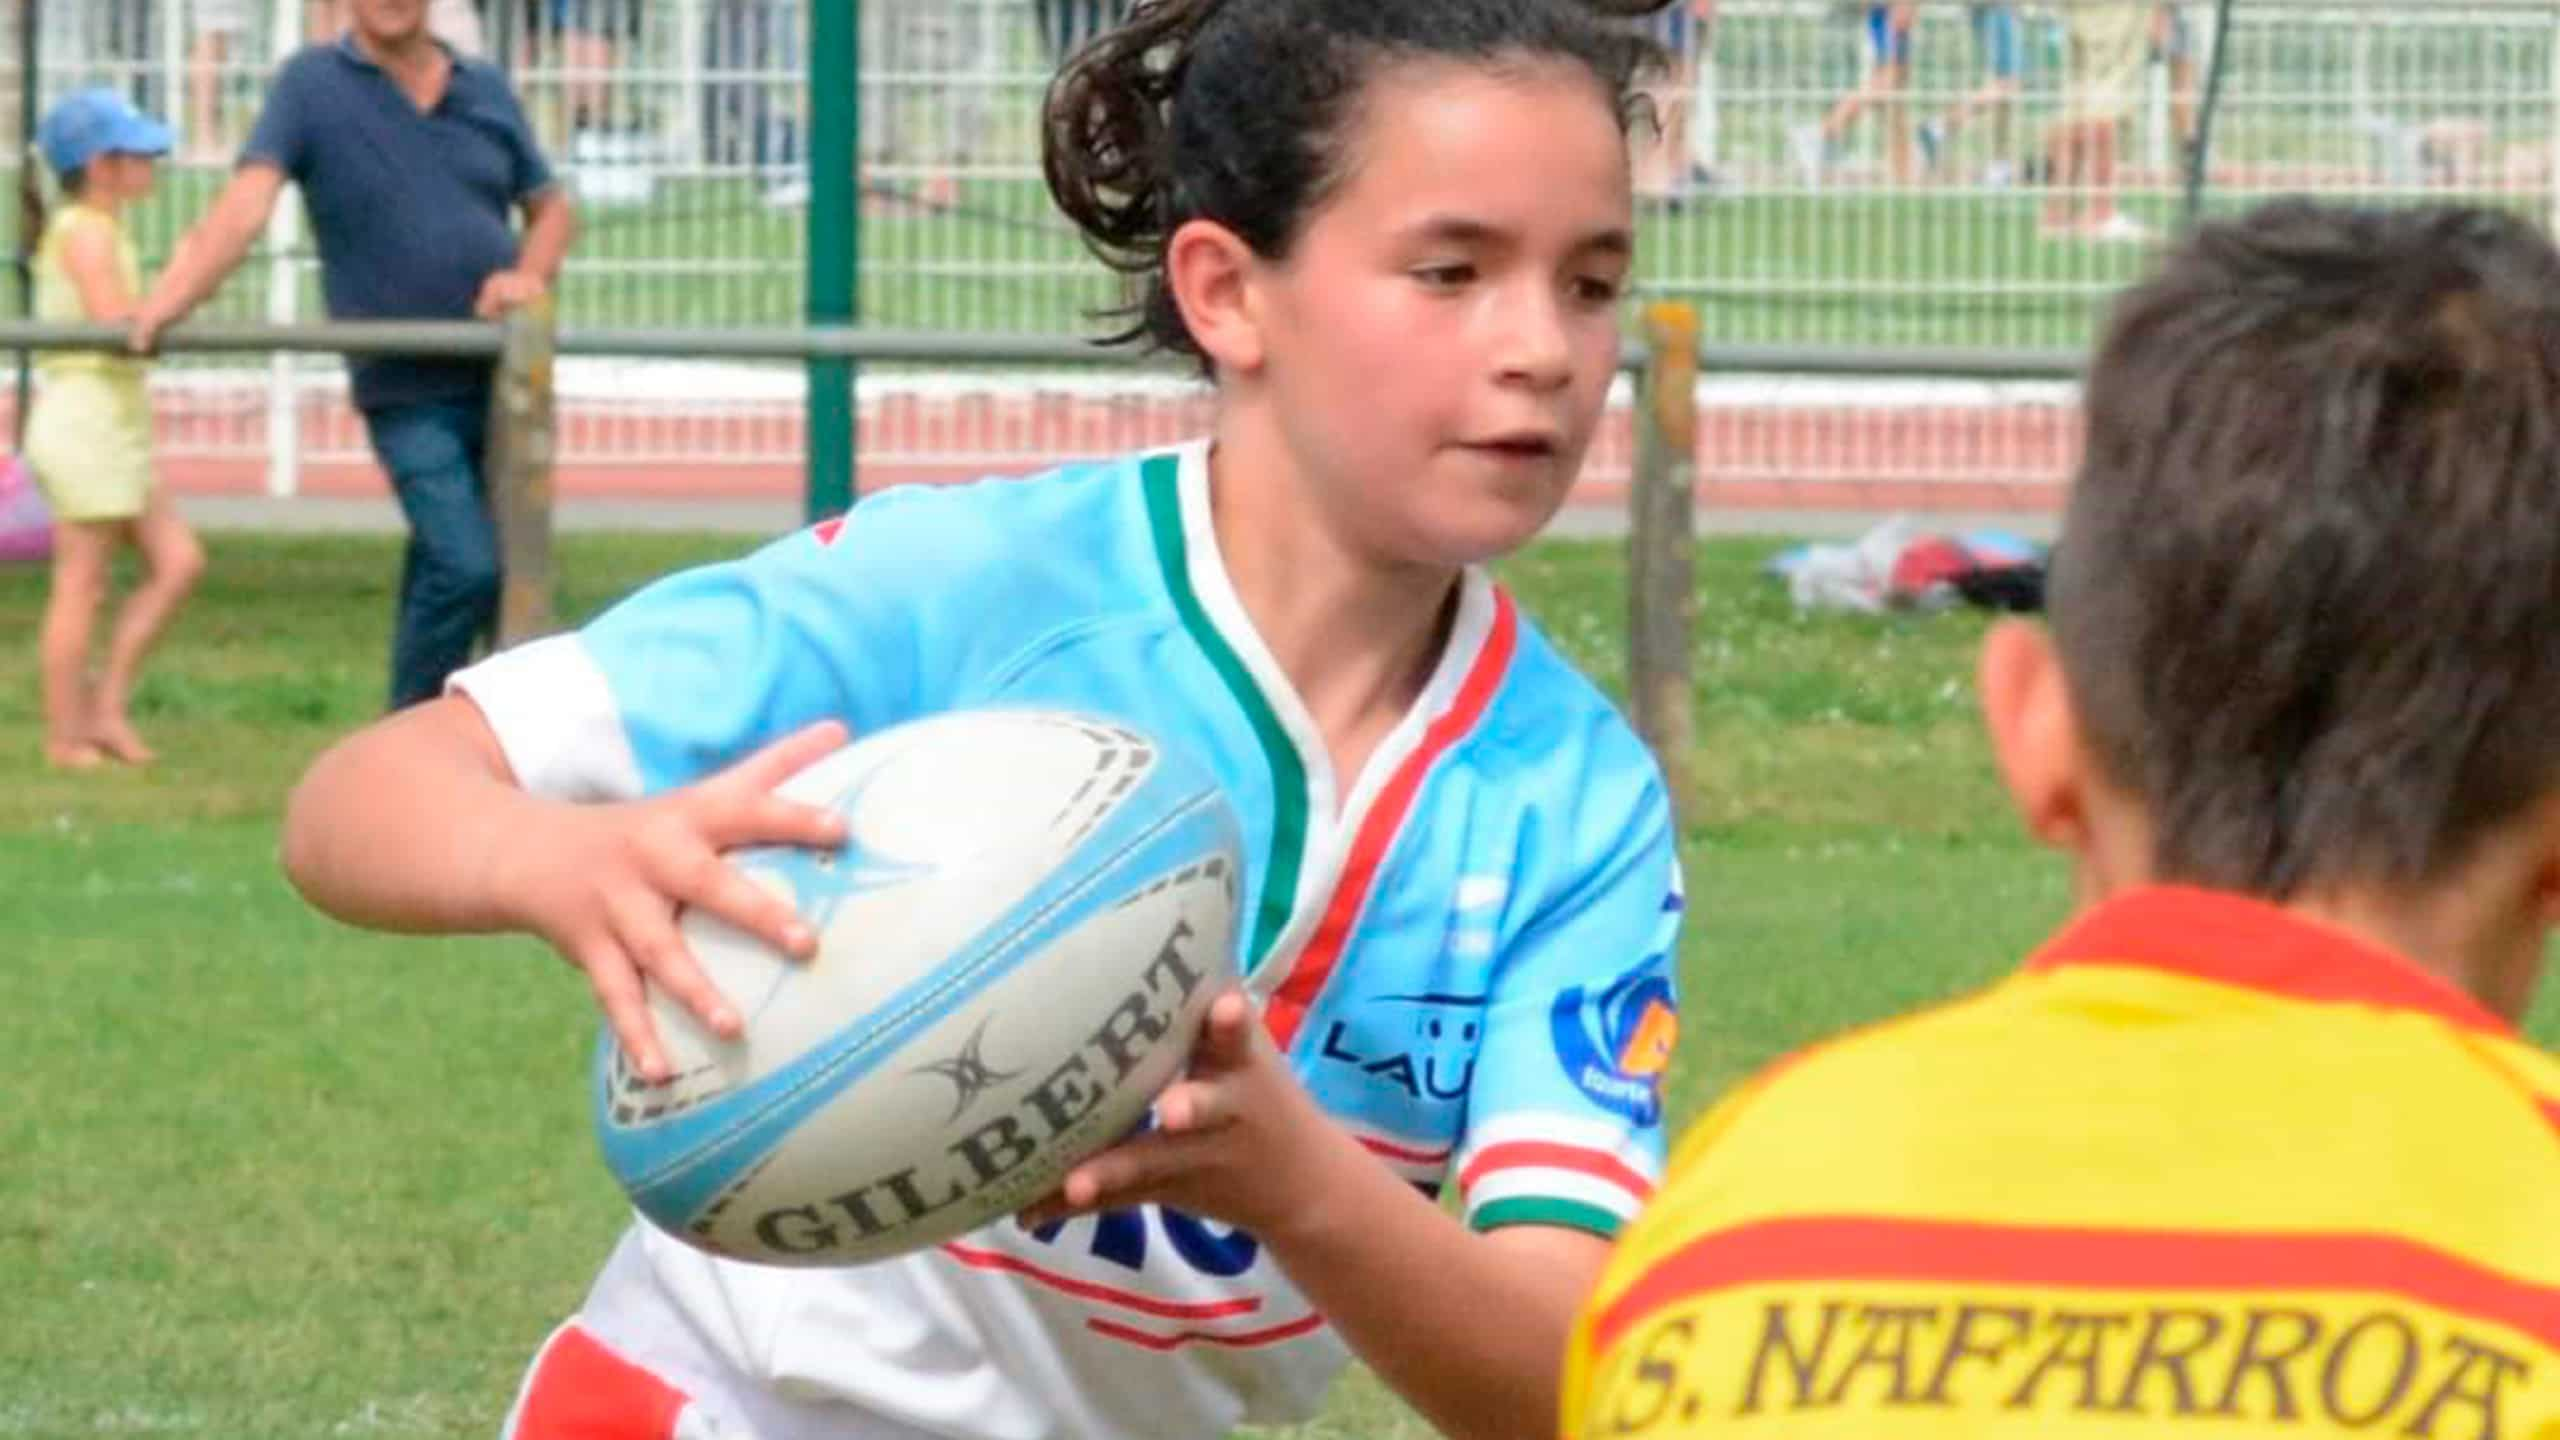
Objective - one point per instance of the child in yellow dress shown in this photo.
(88, 435)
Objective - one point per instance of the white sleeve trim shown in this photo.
(554, 715)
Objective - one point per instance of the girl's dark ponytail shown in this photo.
(1107, 148)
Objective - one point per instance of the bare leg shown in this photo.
(1994, 96)
(2183, 101)
(588, 57)
(1883, 89)
(2099, 136)
(2062, 190)
(1897, 132)
(175, 559)
(1880, 84)
(80, 555)
(204, 94)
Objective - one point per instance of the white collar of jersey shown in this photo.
(1333, 817)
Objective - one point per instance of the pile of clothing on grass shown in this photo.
(1899, 566)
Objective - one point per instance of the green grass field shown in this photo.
(263, 1175)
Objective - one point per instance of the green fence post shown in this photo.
(835, 241)
(2200, 159)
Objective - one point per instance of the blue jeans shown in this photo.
(435, 452)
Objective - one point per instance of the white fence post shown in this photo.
(176, 41)
(685, 144)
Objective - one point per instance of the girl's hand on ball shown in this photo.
(1224, 1139)
(603, 884)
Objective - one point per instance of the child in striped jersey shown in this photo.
(2253, 1145)
(1396, 237)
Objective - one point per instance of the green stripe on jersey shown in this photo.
(1545, 1210)
(1161, 476)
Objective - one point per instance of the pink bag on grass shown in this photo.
(26, 526)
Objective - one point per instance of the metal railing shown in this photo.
(1664, 357)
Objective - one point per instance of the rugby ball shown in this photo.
(1017, 940)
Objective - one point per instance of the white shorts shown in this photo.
(2110, 47)
(629, 1366)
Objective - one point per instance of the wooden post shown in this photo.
(1662, 572)
(521, 418)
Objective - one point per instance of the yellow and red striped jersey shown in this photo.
(2204, 1168)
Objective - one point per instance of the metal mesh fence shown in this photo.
(1828, 175)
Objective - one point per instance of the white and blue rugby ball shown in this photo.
(1016, 944)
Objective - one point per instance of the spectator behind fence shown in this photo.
(88, 439)
(752, 68)
(1888, 38)
(588, 40)
(217, 33)
(410, 159)
(1677, 157)
(456, 22)
(2253, 1145)
(1999, 42)
(2109, 43)
(2173, 44)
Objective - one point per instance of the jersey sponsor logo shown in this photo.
(1121, 1238)
(1435, 1057)
(2345, 1365)
(1616, 1044)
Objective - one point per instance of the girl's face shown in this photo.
(118, 176)
(1440, 340)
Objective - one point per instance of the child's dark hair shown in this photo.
(1237, 111)
(32, 212)
(2308, 595)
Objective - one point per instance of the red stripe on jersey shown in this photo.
(579, 1390)
(827, 530)
(1288, 1006)
(1392, 1151)
(1240, 1339)
(1855, 1248)
(977, 1259)
(1547, 1155)
(2234, 940)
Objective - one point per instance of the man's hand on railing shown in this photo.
(506, 290)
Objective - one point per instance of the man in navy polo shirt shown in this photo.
(411, 162)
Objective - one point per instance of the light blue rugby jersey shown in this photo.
(1467, 953)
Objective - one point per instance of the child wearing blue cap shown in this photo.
(88, 436)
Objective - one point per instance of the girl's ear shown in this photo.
(1212, 275)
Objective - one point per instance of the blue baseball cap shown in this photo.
(89, 123)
